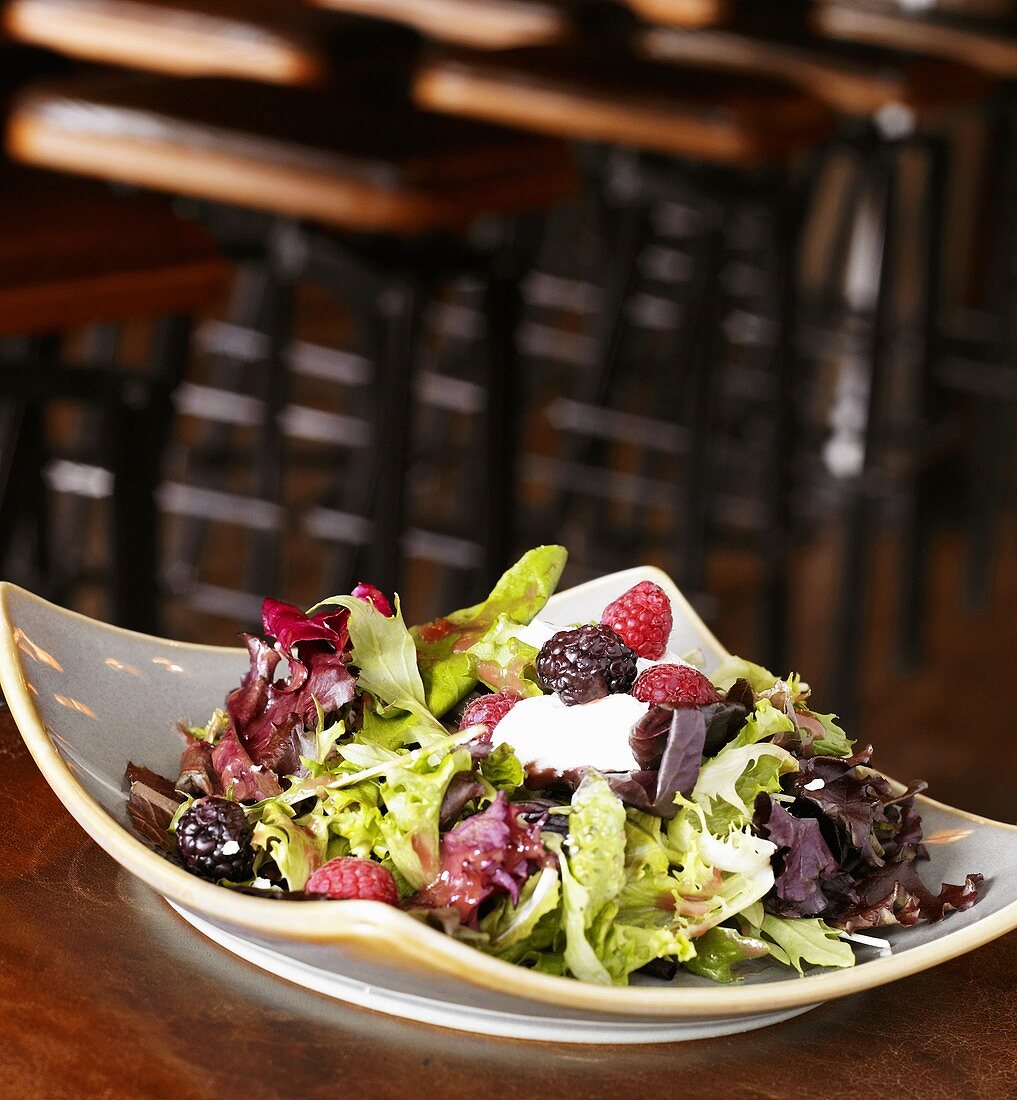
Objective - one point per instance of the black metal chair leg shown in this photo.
(918, 496)
(775, 600)
(993, 422)
(25, 495)
(624, 240)
(503, 413)
(989, 454)
(22, 495)
(400, 309)
(100, 352)
(849, 624)
(264, 562)
(699, 398)
(143, 424)
(209, 455)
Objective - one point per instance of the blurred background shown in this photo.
(294, 294)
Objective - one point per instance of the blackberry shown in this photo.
(586, 663)
(214, 839)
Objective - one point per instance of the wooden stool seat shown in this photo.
(683, 13)
(593, 93)
(345, 161)
(276, 41)
(990, 48)
(73, 253)
(852, 79)
(479, 24)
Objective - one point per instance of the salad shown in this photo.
(583, 802)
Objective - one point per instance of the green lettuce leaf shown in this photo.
(592, 875)
(764, 722)
(834, 742)
(353, 816)
(521, 930)
(384, 652)
(500, 659)
(606, 937)
(297, 845)
(412, 792)
(716, 875)
(446, 666)
(597, 841)
(794, 941)
(502, 769)
(729, 782)
(735, 668)
(720, 950)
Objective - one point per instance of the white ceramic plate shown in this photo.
(88, 697)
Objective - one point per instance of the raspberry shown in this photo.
(214, 839)
(351, 877)
(488, 710)
(585, 664)
(642, 616)
(674, 684)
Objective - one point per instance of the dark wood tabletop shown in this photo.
(106, 992)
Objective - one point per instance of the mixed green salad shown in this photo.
(715, 818)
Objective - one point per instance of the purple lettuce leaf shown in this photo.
(237, 772)
(851, 799)
(802, 862)
(151, 804)
(895, 894)
(668, 744)
(490, 853)
(197, 775)
(268, 715)
(375, 597)
(289, 626)
(847, 848)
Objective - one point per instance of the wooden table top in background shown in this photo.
(107, 992)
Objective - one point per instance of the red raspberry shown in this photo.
(488, 710)
(674, 684)
(642, 616)
(352, 877)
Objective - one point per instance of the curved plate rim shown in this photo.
(372, 925)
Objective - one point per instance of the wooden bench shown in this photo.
(989, 48)
(480, 24)
(597, 92)
(276, 41)
(855, 80)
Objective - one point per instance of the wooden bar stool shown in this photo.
(986, 40)
(74, 256)
(891, 103)
(684, 13)
(987, 46)
(478, 24)
(275, 41)
(390, 192)
(661, 133)
(983, 36)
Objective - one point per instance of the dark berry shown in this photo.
(642, 616)
(586, 663)
(349, 877)
(214, 839)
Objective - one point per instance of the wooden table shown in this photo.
(106, 992)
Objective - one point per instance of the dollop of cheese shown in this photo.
(549, 736)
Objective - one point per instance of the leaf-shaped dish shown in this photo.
(87, 697)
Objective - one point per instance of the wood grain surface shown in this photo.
(107, 993)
